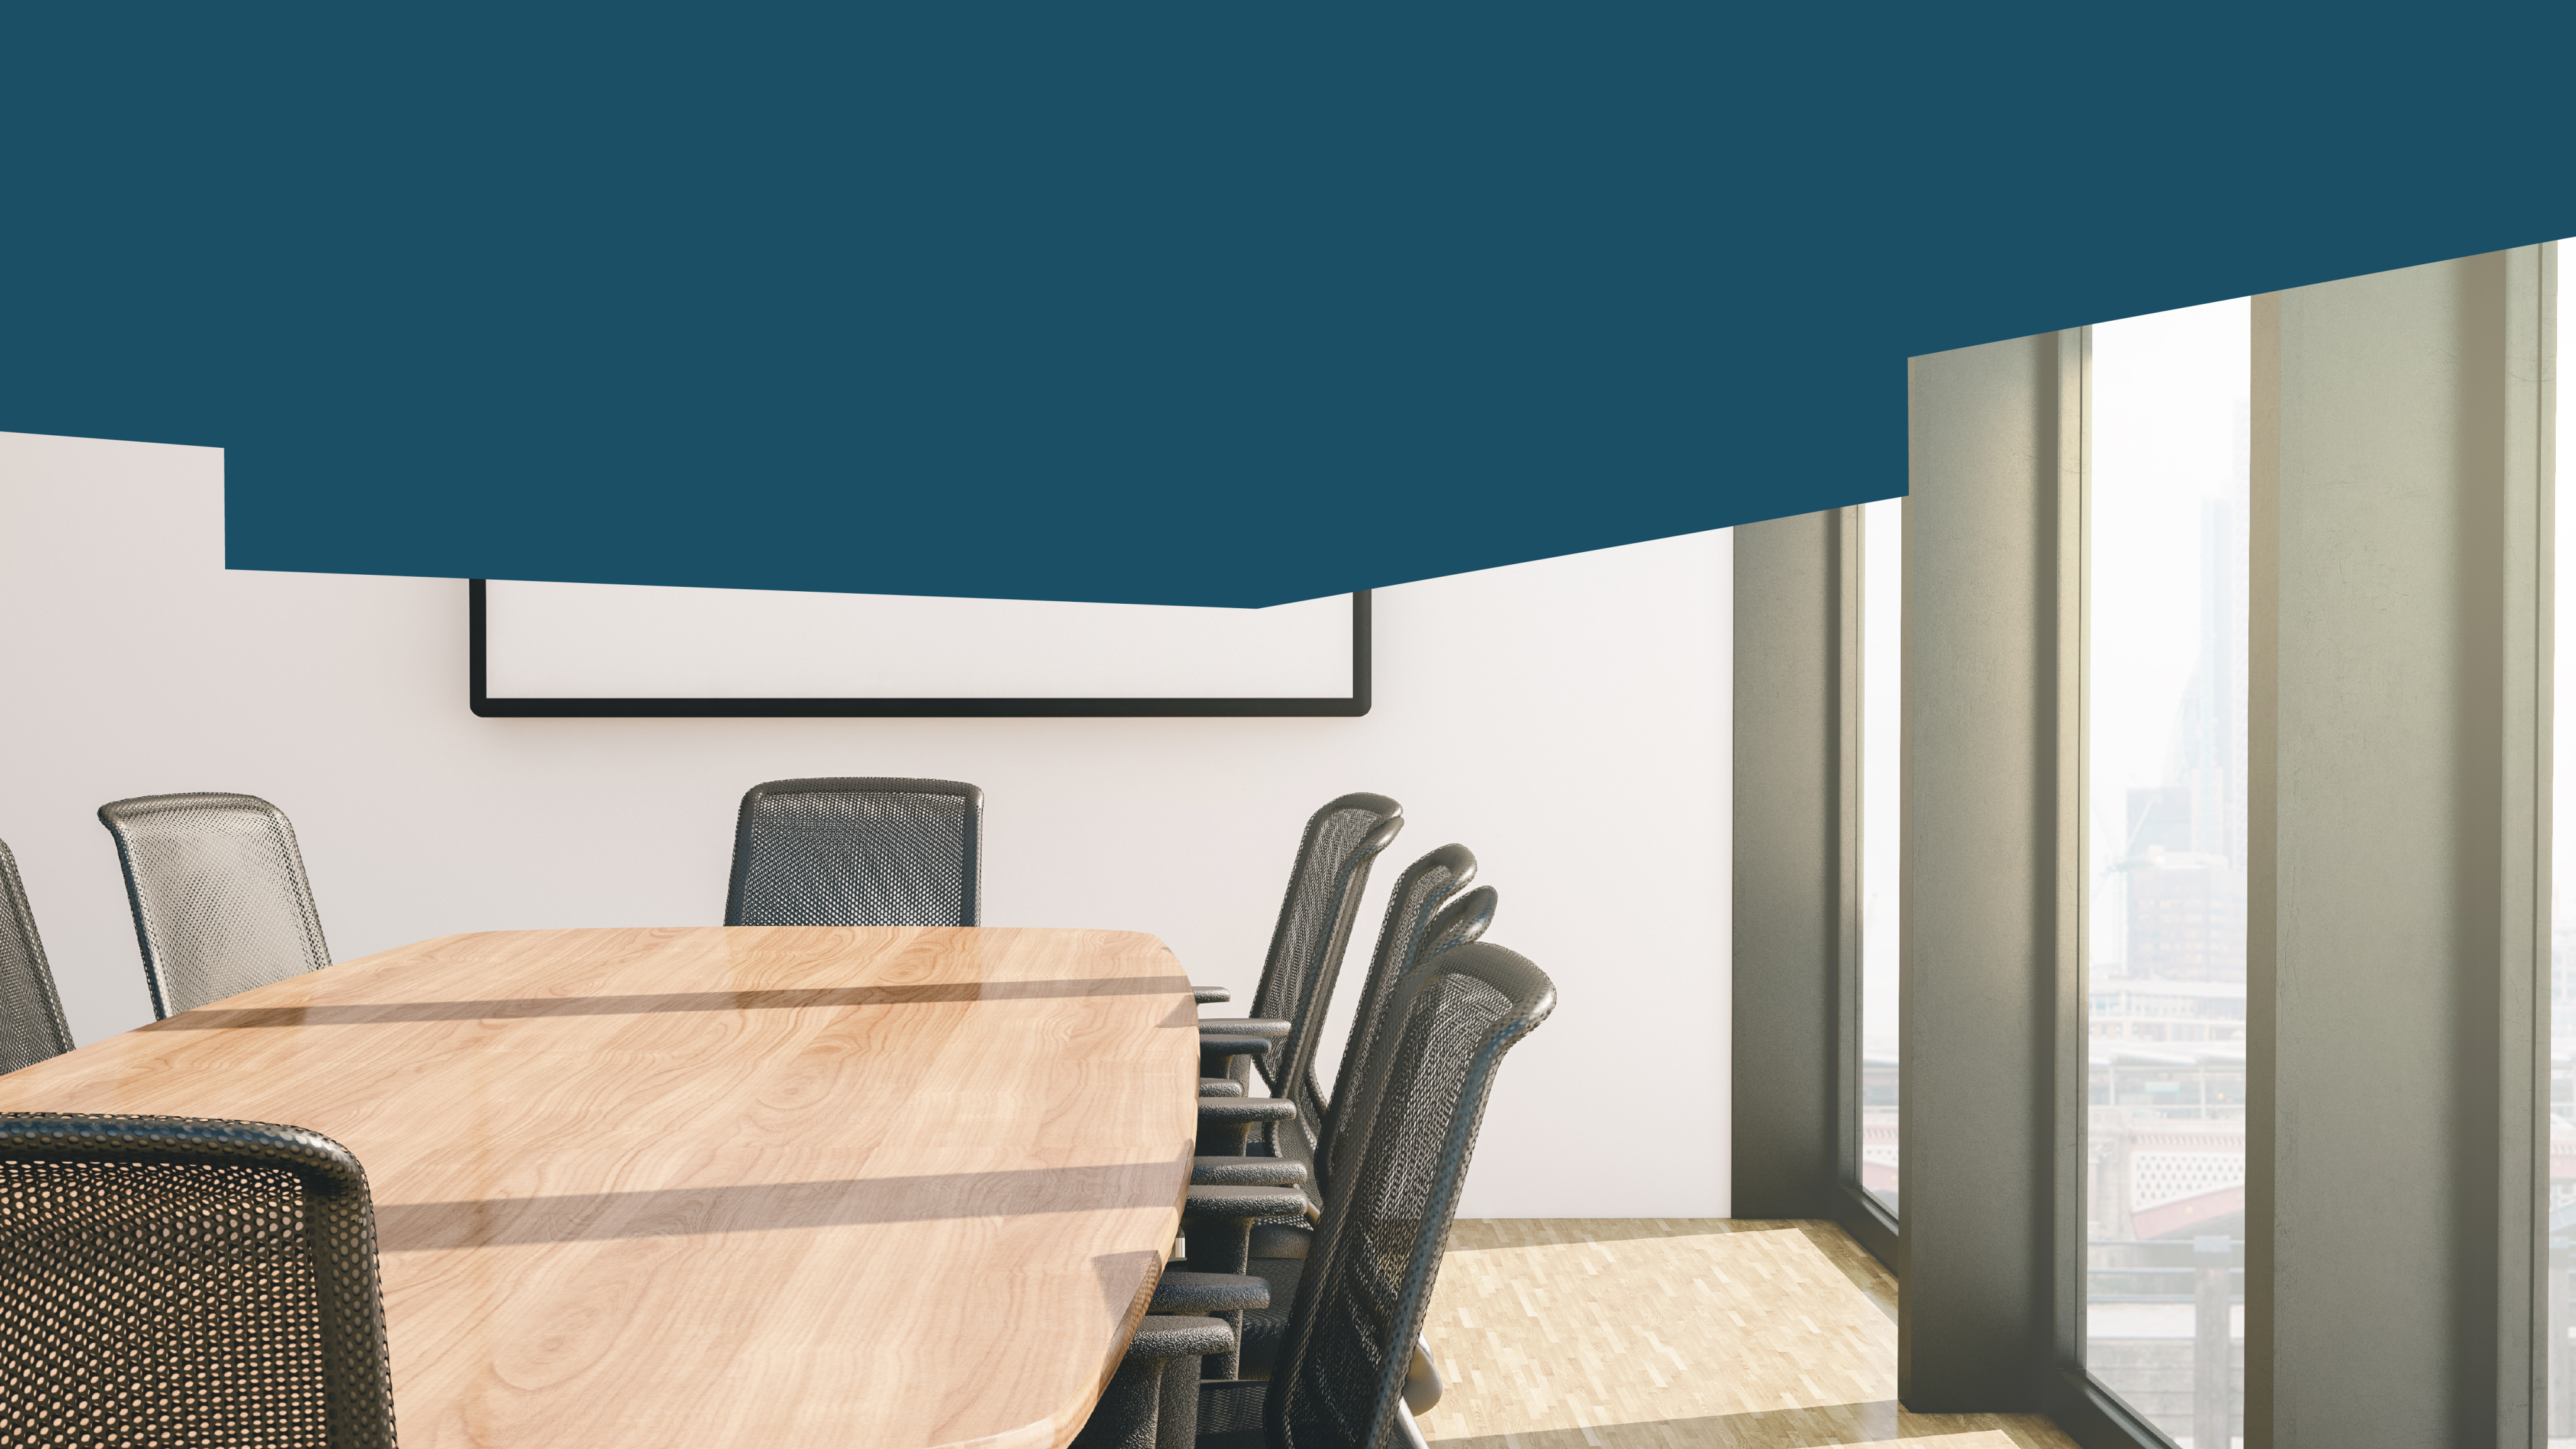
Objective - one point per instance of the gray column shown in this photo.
(2397, 942)
(1789, 907)
(1991, 881)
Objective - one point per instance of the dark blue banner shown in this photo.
(1169, 303)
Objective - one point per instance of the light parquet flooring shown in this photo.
(1661, 1333)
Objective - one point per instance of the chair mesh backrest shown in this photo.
(220, 900)
(1461, 920)
(859, 852)
(31, 1014)
(1360, 1306)
(1409, 906)
(1342, 841)
(187, 1281)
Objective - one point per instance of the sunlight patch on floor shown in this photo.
(1669, 1334)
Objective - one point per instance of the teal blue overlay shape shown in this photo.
(1207, 303)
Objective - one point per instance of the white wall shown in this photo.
(1567, 719)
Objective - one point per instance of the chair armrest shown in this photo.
(1218, 1221)
(1244, 1111)
(1218, 1050)
(1174, 1336)
(1268, 1027)
(1220, 1087)
(1241, 1204)
(1227, 1124)
(1182, 1291)
(1246, 1172)
(1281, 1240)
(1211, 995)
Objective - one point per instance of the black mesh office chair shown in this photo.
(1410, 905)
(1337, 1378)
(187, 1281)
(31, 1014)
(1341, 1379)
(1341, 843)
(1426, 886)
(1275, 1250)
(857, 852)
(1464, 919)
(220, 900)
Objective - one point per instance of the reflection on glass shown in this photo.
(1882, 680)
(2562, 976)
(2165, 856)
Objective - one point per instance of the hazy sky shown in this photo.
(2170, 400)
(1882, 543)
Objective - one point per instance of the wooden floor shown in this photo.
(1655, 1333)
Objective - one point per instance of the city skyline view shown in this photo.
(2165, 578)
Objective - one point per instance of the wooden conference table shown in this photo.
(735, 1186)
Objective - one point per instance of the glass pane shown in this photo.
(2562, 967)
(1882, 577)
(2165, 854)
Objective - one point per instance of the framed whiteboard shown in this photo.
(543, 649)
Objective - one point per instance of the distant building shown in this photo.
(2128, 1009)
(2159, 819)
(2165, 1050)
(2186, 916)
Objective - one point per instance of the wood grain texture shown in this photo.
(1655, 1333)
(773, 1186)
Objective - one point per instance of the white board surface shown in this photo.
(621, 641)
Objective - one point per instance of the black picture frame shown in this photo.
(484, 705)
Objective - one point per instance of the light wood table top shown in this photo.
(725, 1186)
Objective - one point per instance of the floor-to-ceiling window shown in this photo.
(2165, 766)
(1882, 680)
